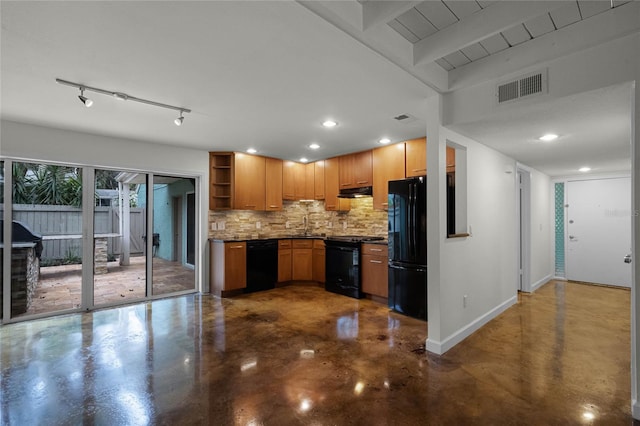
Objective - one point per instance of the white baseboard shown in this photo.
(440, 348)
(635, 409)
(541, 282)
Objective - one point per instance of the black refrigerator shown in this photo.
(408, 247)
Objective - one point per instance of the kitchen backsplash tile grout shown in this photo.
(362, 219)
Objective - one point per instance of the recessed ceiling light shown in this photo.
(252, 150)
(304, 160)
(584, 169)
(329, 123)
(548, 137)
(384, 141)
(314, 146)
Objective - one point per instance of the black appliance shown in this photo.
(408, 247)
(21, 233)
(262, 265)
(342, 263)
(363, 191)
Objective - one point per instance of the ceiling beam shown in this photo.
(381, 12)
(604, 27)
(486, 22)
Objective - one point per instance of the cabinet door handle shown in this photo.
(345, 184)
(363, 181)
(375, 249)
(273, 206)
(375, 261)
(236, 247)
(419, 170)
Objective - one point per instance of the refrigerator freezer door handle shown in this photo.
(412, 206)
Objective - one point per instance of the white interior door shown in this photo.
(599, 231)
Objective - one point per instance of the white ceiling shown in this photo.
(265, 74)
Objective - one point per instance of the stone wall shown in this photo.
(242, 224)
(25, 274)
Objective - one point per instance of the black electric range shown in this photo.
(342, 267)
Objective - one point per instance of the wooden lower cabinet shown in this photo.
(318, 261)
(302, 260)
(375, 272)
(284, 260)
(228, 266)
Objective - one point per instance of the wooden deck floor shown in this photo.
(59, 287)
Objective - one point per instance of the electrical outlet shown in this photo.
(464, 301)
(258, 225)
(329, 224)
(344, 225)
(214, 226)
(287, 225)
(221, 226)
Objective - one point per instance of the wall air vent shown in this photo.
(524, 86)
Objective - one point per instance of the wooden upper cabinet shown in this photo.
(293, 180)
(309, 182)
(451, 159)
(220, 180)
(356, 170)
(273, 184)
(288, 180)
(332, 185)
(388, 164)
(416, 157)
(249, 184)
(318, 180)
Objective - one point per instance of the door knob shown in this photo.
(627, 258)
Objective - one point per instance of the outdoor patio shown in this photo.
(59, 286)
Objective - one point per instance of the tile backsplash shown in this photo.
(362, 219)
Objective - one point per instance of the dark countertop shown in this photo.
(285, 237)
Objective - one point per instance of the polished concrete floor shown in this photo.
(298, 355)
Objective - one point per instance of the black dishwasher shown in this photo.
(262, 265)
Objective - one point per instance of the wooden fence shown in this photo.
(67, 221)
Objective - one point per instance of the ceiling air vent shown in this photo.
(405, 118)
(528, 85)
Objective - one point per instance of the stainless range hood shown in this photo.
(365, 191)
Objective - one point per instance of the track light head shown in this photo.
(178, 121)
(86, 101)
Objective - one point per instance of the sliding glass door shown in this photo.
(84, 238)
(173, 234)
(119, 228)
(46, 240)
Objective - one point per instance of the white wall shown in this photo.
(601, 66)
(37, 143)
(482, 266)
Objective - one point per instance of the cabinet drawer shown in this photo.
(302, 244)
(318, 244)
(375, 250)
(375, 279)
(284, 244)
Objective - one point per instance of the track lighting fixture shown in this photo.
(179, 120)
(122, 97)
(86, 101)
